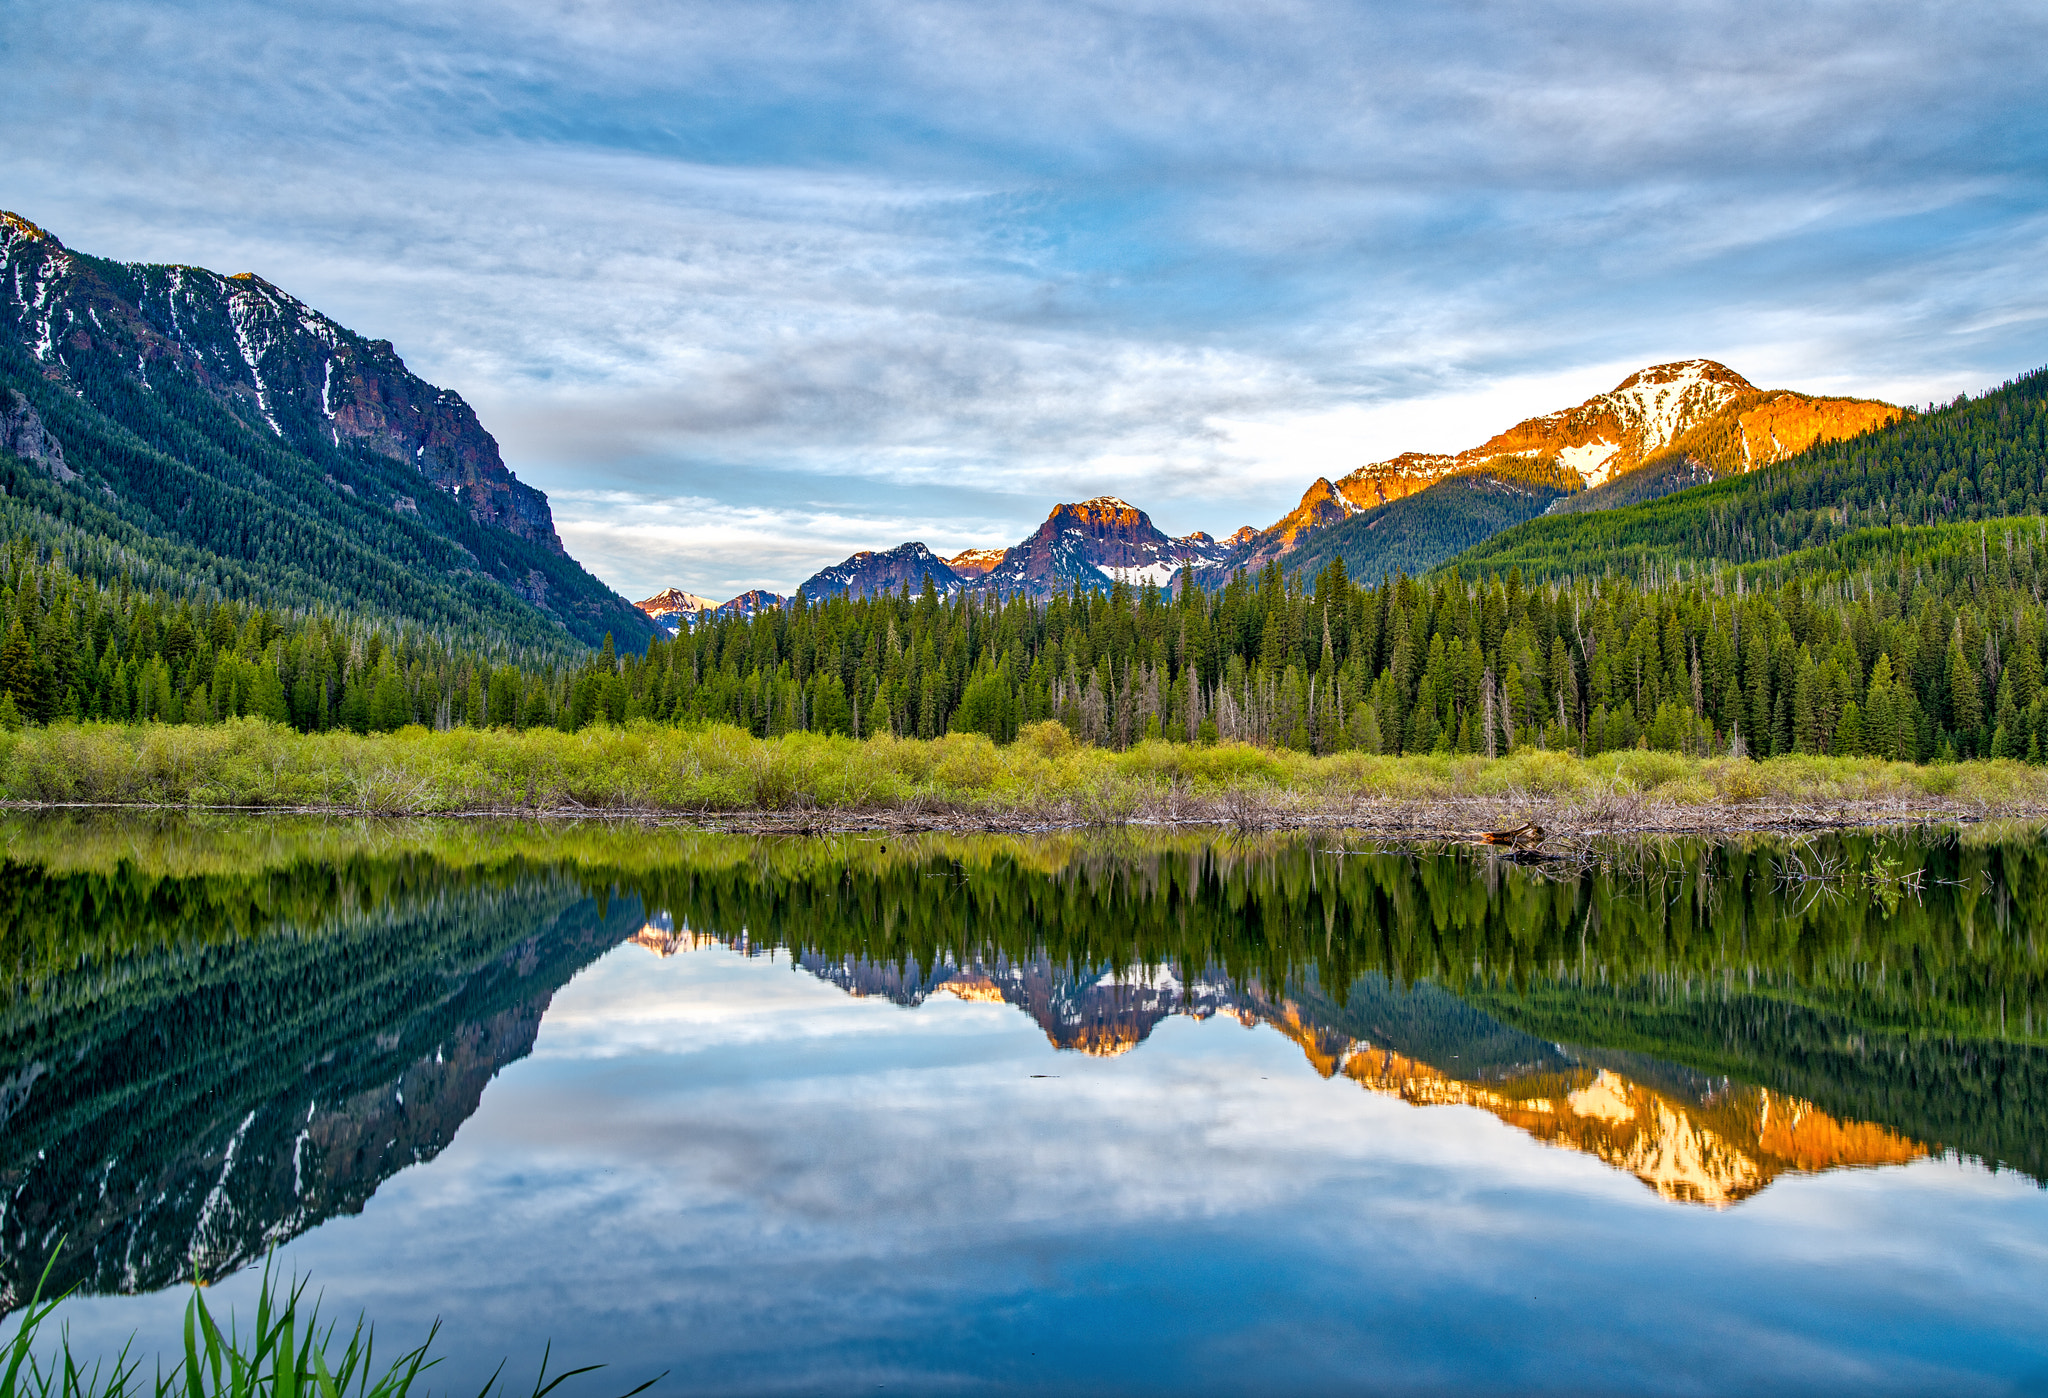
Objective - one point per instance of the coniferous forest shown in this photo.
(1870, 597)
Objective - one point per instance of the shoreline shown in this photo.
(1453, 819)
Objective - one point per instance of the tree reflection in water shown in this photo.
(218, 1035)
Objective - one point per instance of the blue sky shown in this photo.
(746, 287)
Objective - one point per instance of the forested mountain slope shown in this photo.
(1417, 532)
(1974, 459)
(214, 435)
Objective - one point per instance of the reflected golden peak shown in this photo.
(979, 989)
(667, 941)
(1715, 1153)
(1606, 1098)
(1105, 1040)
(1813, 1140)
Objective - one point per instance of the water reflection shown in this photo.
(216, 1039)
(257, 1054)
(1691, 1137)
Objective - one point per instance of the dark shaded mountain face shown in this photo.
(305, 462)
(1094, 544)
(1419, 532)
(868, 574)
(749, 604)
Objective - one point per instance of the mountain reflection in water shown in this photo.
(217, 1037)
(1694, 1141)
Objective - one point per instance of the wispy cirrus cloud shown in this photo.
(930, 265)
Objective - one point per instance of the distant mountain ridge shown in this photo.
(1090, 544)
(1662, 428)
(302, 461)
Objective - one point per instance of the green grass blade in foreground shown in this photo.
(287, 1356)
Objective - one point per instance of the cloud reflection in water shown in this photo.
(713, 1164)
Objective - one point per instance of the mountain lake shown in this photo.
(1111, 1111)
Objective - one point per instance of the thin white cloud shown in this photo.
(953, 262)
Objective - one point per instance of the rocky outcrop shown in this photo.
(973, 563)
(1783, 424)
(22, 432)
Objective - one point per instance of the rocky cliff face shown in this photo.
(1783, 424)
(22, 432)
(868, 574)
(265, 356)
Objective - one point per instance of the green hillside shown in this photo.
(1976, 459)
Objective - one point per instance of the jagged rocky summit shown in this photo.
(868, 573)
(672, 609)
(1096, 542)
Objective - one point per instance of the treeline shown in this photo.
(1915, 644)
(73, 648)
(1931, 648)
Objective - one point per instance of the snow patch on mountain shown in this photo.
(1158, 574)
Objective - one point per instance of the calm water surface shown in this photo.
(1078, 1114)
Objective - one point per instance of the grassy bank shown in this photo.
(1043, 778)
